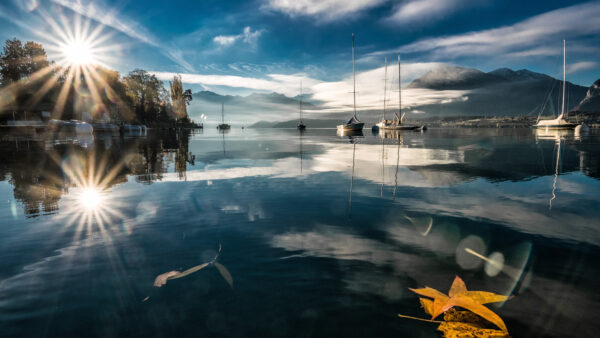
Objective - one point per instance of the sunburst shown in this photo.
(80, 49)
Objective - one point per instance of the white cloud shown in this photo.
(102, 14)
(247, 36)
(581, 66)
(326, 10)
(544, 29)
(336, 96)
(423, 11)
(251, 37)
(225, 40)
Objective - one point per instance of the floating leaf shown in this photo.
(458, 286)
(461, 297)
(485, 297)
(427, 305)
(225, 273)
(429, 292)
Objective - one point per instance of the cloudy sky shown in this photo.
(237, 47)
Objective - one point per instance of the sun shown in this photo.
(78, 53)
(90, 199)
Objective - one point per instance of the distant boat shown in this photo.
(79, 127)
(223, 125)
(559, 122)
(301, 125)
(353, 124)
(397, 122)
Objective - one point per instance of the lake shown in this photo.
(314, 234)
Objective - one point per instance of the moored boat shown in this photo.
(560, 122)
(353, 124)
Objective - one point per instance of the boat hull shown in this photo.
(562, 126)
(351, 127)
(223, 126)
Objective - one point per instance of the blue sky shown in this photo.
(237, 47)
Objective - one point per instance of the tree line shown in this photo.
(31, 82)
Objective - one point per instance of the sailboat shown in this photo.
(301, 125)
(223, 125)
(559, 122)
(397, 122)
(353, 124)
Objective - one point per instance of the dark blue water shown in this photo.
(316, 243)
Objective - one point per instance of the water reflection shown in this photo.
(279, 201)
(43, 169)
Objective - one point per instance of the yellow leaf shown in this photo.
(485, 297)
(427, 305)
(438, 305)
(458, 286)
(466, 302)
(429, 292)
(462, 330)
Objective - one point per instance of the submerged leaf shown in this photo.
(225, 273)
(161, 279)
(462, 330)
(190, 271)
(468, 303)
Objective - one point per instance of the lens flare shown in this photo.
(78, 53)
(90, 199)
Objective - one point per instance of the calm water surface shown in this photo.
(322, 234)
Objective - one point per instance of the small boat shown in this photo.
(397, 122)
(105, 127)
(301, 125)
(353, 124)
(559, 122)
(223, 125)
(76, 126)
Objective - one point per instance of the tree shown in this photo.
(11, 61)
(19, 61)
(34, 58)
(147, 94)
(180, 98)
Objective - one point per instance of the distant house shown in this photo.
(18, 115)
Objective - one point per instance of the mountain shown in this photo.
(453, 78)
(591, 101)
(500, 92)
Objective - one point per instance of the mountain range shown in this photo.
(502, 92)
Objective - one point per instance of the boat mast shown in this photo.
(301, 102)
(399, 92)
(384, 88)
(222, 113)
(354, 76)
(562, 110)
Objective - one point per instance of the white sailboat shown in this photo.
(353, 124)
(223, 125)
(559, 122)
(397, 122)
